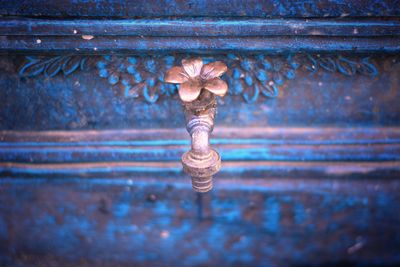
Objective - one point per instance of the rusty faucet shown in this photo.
(199, 85)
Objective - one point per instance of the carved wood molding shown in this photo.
(221, 8)
(271, 145)
(251, 76)
(316, 152)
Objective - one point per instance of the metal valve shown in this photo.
(198, 86)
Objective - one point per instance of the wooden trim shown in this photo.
(255, 152)
(203, 8)
(173, 170)
(94, 36)
(270, 135)
(200, 27)
(132, 44)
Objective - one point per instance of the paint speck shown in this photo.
(320, 83)
(164, 234)
(271, 83)
(357, 246)
(355, 31)
(75, 31)
(371, 98)
(151, 198)
(87, 37)
(316, 33)
(77, 83)
(130, 182)
(38, 41)
(95, 49)
(347, 97)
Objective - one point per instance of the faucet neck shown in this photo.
(201, 162)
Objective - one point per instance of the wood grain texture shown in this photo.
(88, 100)
(256, 152)
(201, 8)
(196, 27)
(133, 44)
(169, 172)
(90, 172)
(20, 35)
(122, 222)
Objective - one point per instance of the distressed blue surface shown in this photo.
(196, 27)
(118, 222)
(83, 100)
(201, 8)
(326, 199)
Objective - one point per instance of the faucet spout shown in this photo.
(201, 162)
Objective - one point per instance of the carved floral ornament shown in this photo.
(249, 76)
(193, 76)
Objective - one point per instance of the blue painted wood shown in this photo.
(83, 100)
(196, 27)
(122, 222)
(90, 145)
(283, 144)
(187, 35)
(128, 45)
(201, 8)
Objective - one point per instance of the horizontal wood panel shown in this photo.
(116, 222)
(126, 45)
(230, 153)
(197, 27)
(314, 97)
(196, 8)
(287, 144)
(168, 171)
(220, 135)
(255, 152)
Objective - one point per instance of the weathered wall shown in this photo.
(252, 222)
(308, 98)
(91, 136)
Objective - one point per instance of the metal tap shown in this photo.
(199, 85)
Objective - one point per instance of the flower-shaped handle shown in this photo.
(194, 76)
(198, 86)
